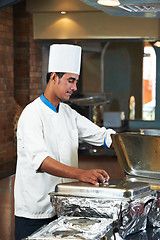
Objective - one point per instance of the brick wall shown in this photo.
(27, 60)
(7, 150)
(35, 63)
(20, 76)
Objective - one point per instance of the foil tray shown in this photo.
(148, 234)
(128, 216)
(74, 228)
(154, 213)
(118, 189)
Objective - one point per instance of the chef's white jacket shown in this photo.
(44, 132)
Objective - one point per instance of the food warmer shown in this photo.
(133, 202)
(129, 205)
(139, 157)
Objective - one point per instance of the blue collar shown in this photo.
(48, 104)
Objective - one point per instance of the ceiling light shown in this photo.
(157, 44)
(63, 12)
(111, 3)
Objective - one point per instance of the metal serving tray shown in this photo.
(113, 189)
(138, 155)
(76, 228)
(126, 203)
(130, 202)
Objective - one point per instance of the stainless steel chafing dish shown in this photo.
(127, 203)
(131, 202)
(114, 189)
(139, 157)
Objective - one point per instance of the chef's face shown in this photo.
(66, 85)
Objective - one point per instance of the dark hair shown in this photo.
(59, 74)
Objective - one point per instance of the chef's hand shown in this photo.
(93, 176)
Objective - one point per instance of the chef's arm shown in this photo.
(51, 166)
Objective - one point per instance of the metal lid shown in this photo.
(89, 101)
(138, 154)
(119, 188)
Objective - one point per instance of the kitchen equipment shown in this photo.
(139, 157)
(155, 132)
(117, 189)
(127, 203)
(73, 228)
(89, 101)
(91, 105)
(132, 202)
(121, 206)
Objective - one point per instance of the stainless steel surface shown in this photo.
(139, 157)
(138, 154)
(89, 101)
(154, 183)
(91, 106)
(113, 189)
(155, 132)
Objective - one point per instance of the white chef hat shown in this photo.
(64, 58)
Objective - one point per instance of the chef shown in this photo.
(47, 143)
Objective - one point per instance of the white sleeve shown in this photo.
(90, 132)
(30, 140)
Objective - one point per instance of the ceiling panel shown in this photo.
(133, 8)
